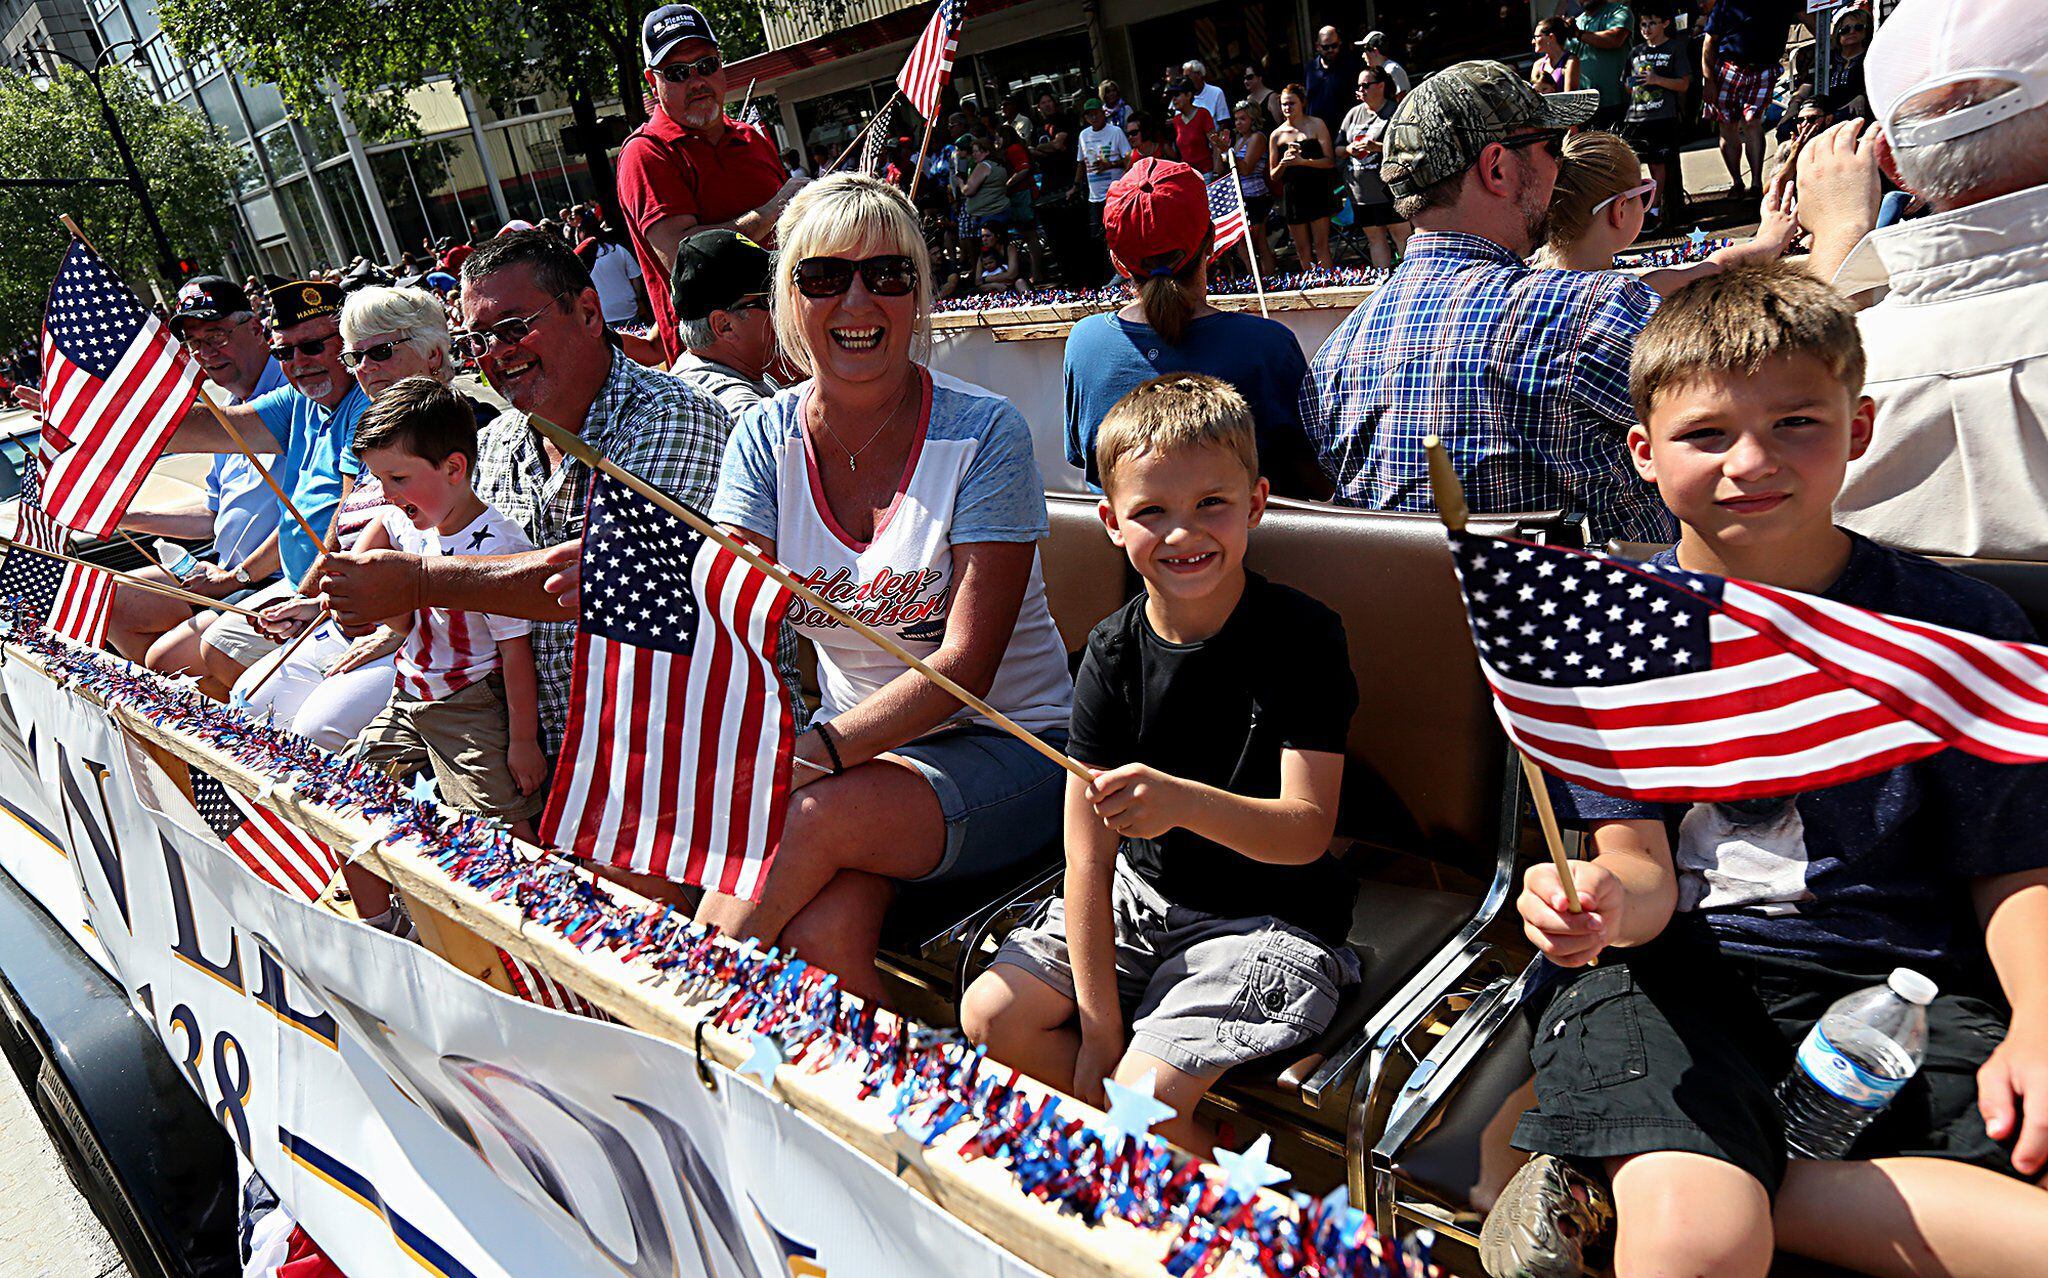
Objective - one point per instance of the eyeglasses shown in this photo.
(1550, 140)
(752, 302)
(509, 332)
(352, 360)
(680, 72)
(213, 341)
(1642, 192)
(1852, 28)
(889, 275)
(309, 348)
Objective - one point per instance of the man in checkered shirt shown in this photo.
(535, 329)
(1522, 373)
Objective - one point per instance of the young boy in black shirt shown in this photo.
(1725, 930)
(1203, 923)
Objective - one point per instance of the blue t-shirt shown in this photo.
(315, 441)
(1875, 872)
(1107, 356)
(245, 511)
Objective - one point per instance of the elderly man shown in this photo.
(535, 329)
(217, 323)
(1206, 94)
(1523, 373)
(691, 165)
(720, 294)
(311, 422)
(1958, 463)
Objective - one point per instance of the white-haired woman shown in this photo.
(326, 692)
(916, 495)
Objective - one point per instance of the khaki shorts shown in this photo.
(1201, 993)
(464, 739)
(236, 637)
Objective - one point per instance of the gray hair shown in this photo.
(696, 333)
(412, 311)
(1193, 66)
(2009, 155)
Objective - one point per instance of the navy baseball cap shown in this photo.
(208, 297)
(668, 27)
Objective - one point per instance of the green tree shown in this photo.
(52, 128)
(376, 50)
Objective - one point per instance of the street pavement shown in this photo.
(46, 1229)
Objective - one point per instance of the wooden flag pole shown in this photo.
(1450, 505)
(225, 424)
(572, 446)
(917, 174)
(155, 588)
(285, 657)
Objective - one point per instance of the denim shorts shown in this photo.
(1001, 799)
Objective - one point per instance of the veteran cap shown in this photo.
(303, 300)
(1440, 128)
(207, 297)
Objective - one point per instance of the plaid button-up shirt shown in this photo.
(662, 429)
(1522, 373)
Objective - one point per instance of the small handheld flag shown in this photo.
(1674, 686)
(116, 384)
(1226, 212)
(930, 65)
(679, 726)
(73, 600)
(272, 848)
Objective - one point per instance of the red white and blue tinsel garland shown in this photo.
(934, 1087)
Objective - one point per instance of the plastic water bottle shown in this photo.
(1853, 1063)
(177, 560)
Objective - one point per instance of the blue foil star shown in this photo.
(1134, 1111)
(421, 790)
(1697, 239)
(1249, 1172)
(763, 1063)
(238, 701)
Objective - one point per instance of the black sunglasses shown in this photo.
(309, 348)
(352, 360)
(1551, 141)
(889, 275)
(510, 332)
(680, 72)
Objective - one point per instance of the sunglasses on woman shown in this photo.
(680, 72)
(887, 275)
(355, 359)
(509, 332)
(310, 348)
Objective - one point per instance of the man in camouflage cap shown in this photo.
(1523, 373)
(1441, 132)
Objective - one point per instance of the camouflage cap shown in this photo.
(1439, 129)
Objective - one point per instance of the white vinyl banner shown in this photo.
(411, 1117)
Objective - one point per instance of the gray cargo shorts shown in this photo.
(1201, 993)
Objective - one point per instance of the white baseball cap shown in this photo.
(1927, 45)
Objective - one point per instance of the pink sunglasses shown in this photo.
(1634, 192)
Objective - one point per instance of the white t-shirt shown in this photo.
(1212, 97)
(970, 479)
(612, 275)
(1105, 143)
(449, 650)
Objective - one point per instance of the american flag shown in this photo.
(1226, 212)
(275, 850)
(678, 724)
(71, 600)
(924, 76)
(1682, 687)
(536, 986)
(115, 385)
(871, 149)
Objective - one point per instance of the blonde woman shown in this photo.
(916, 497)
(1599, 203)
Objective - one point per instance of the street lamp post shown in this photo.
(167, 259)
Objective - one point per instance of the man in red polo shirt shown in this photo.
(691, 166)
